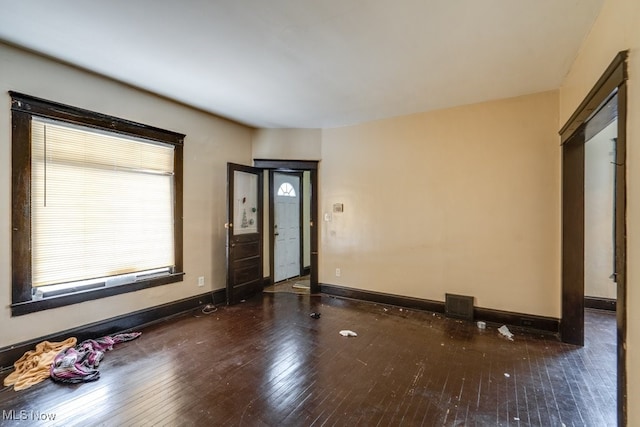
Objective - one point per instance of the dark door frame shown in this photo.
(272, 217)
(299, 166)
(573, 169)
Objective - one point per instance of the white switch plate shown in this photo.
(201, 281)
(338, 272)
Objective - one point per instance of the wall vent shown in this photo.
(458, 306)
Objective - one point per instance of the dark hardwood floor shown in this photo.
(266, 362)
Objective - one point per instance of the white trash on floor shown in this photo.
(505, 332)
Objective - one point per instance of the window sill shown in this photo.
(21, 308)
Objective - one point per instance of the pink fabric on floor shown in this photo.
(80, 363)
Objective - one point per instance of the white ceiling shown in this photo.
(312, 63)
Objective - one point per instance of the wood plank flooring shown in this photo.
(296, 285)
(266, 362)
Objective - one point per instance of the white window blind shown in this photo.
(101, 204)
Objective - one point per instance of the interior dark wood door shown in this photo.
(244, 232)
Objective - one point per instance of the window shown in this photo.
(286, 190)
(97, 205)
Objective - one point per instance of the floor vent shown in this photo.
(458, 306)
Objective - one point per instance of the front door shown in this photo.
(286, 228)
(244, 232)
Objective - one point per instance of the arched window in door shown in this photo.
(286, 190)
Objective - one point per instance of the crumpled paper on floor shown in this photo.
(505, 332)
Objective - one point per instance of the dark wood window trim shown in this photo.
(23, 108)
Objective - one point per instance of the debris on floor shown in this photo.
(34, 365)
(80, 363)
(348, 333)
(481, 324)
(64, 361)
(506, 375)
(315, 315)
(505, 332)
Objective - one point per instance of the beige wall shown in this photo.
(464, 201)
(209, 144)
(616, 29)
(287, 144)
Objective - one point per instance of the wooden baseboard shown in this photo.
(383, 298)
(126, 322)
(526, 321)
(519, 320)
(600, 303)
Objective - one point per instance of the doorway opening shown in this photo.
(291, 239)
(601, 115)
(601, 134)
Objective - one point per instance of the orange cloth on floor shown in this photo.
(34, 366)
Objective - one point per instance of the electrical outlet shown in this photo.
(338, 272)
(201, 281)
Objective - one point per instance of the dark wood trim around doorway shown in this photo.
(621, 251)
(286, 165)
(612, 78)
(572, 134)
(272, 215)
(572, 326)
(298, 166)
